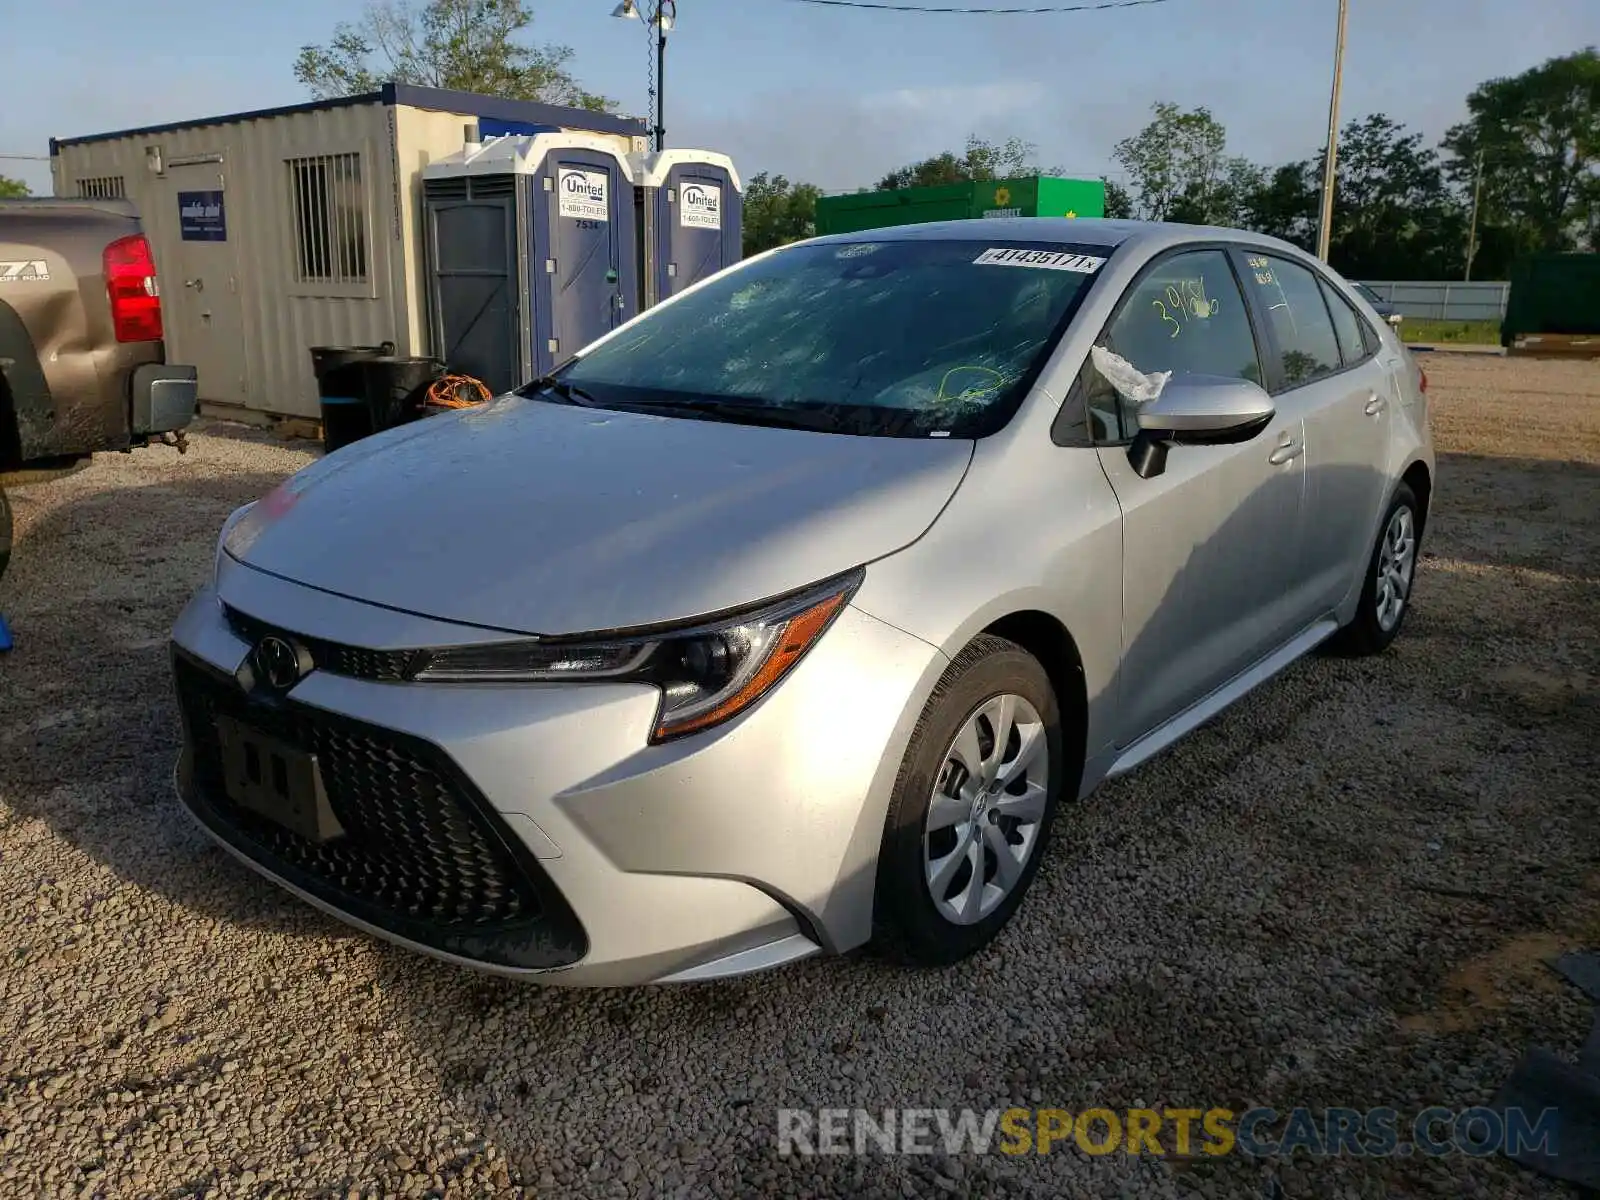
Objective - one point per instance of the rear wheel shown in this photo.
(972, 807)
(1391, 577)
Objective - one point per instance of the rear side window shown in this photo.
(1185, 315)
(1348, 324)
(1307, 346)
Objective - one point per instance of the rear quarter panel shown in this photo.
(65, 373)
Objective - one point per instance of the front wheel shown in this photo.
(972, 807)
(1390, 579)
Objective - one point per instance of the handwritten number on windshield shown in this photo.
(1183, 301)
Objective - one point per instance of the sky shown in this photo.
(836, 97)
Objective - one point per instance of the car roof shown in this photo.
(1151, 236)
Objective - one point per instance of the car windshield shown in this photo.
(909, 338)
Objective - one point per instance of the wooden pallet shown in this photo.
(1556, 345)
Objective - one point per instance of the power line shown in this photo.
(1017, 12)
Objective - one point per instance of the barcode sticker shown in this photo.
(1049, 260)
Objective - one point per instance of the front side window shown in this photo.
(1301, 327)
(1185, 315)
(898, 337)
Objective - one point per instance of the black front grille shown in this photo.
(381, 666)
(422, 854)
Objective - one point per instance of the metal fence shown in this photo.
(1446, 301)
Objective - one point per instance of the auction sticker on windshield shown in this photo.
(1049, 260)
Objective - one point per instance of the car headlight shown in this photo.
(708, 673)
(228, 527)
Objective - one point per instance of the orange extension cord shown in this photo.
(451, 391)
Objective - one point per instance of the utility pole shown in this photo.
(1331, 162)
(1472, 230)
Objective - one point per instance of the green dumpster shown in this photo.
(1032, 196)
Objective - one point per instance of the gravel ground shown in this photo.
(1340, 893)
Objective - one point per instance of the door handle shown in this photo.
(1375, 404)
(1287, 450)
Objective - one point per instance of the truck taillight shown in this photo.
(131, 283)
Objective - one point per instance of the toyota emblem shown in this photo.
(278, 663)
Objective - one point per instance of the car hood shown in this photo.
(550, 519)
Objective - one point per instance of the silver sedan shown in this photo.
(791, 615)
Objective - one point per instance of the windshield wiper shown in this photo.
(745, 412)
(559, 387)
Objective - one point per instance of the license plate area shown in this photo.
(276, 780)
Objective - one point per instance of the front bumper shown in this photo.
(734, 850)
(163, 398)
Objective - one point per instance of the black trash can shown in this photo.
(396, 388)
(342, 390)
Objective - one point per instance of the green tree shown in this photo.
(1221, 200)
(1176, 165)
(981, 160)
(465, 45)
(1394, 215)
(1538, 134)
(12, 189)
(1284, 204)
(777, 212)
(1119, 205)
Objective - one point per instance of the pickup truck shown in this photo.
(82, 362)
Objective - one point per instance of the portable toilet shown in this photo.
(692, 218)
(531, 251)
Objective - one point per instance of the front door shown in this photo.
(585, 283)
(1209, 544)
(200, 284)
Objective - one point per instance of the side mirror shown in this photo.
(1202, 410)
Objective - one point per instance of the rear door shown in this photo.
(1209, 544)
(1322, 365)
(200, 281)
(584, 259)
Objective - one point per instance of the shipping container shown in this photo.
(1033, 196)
(287, 228)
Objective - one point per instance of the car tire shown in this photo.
(1376, 624)
(915, 859)
(5, 532)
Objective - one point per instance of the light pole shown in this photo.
(662, 18)
(1330, 164)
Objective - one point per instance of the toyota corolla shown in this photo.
(791, 615)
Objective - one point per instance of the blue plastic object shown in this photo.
(5, 636)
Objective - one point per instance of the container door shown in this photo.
(200, 303)
(586, 220)
(693, 214)
(476, 313)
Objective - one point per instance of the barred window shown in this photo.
(330, 218)
(104, 187)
